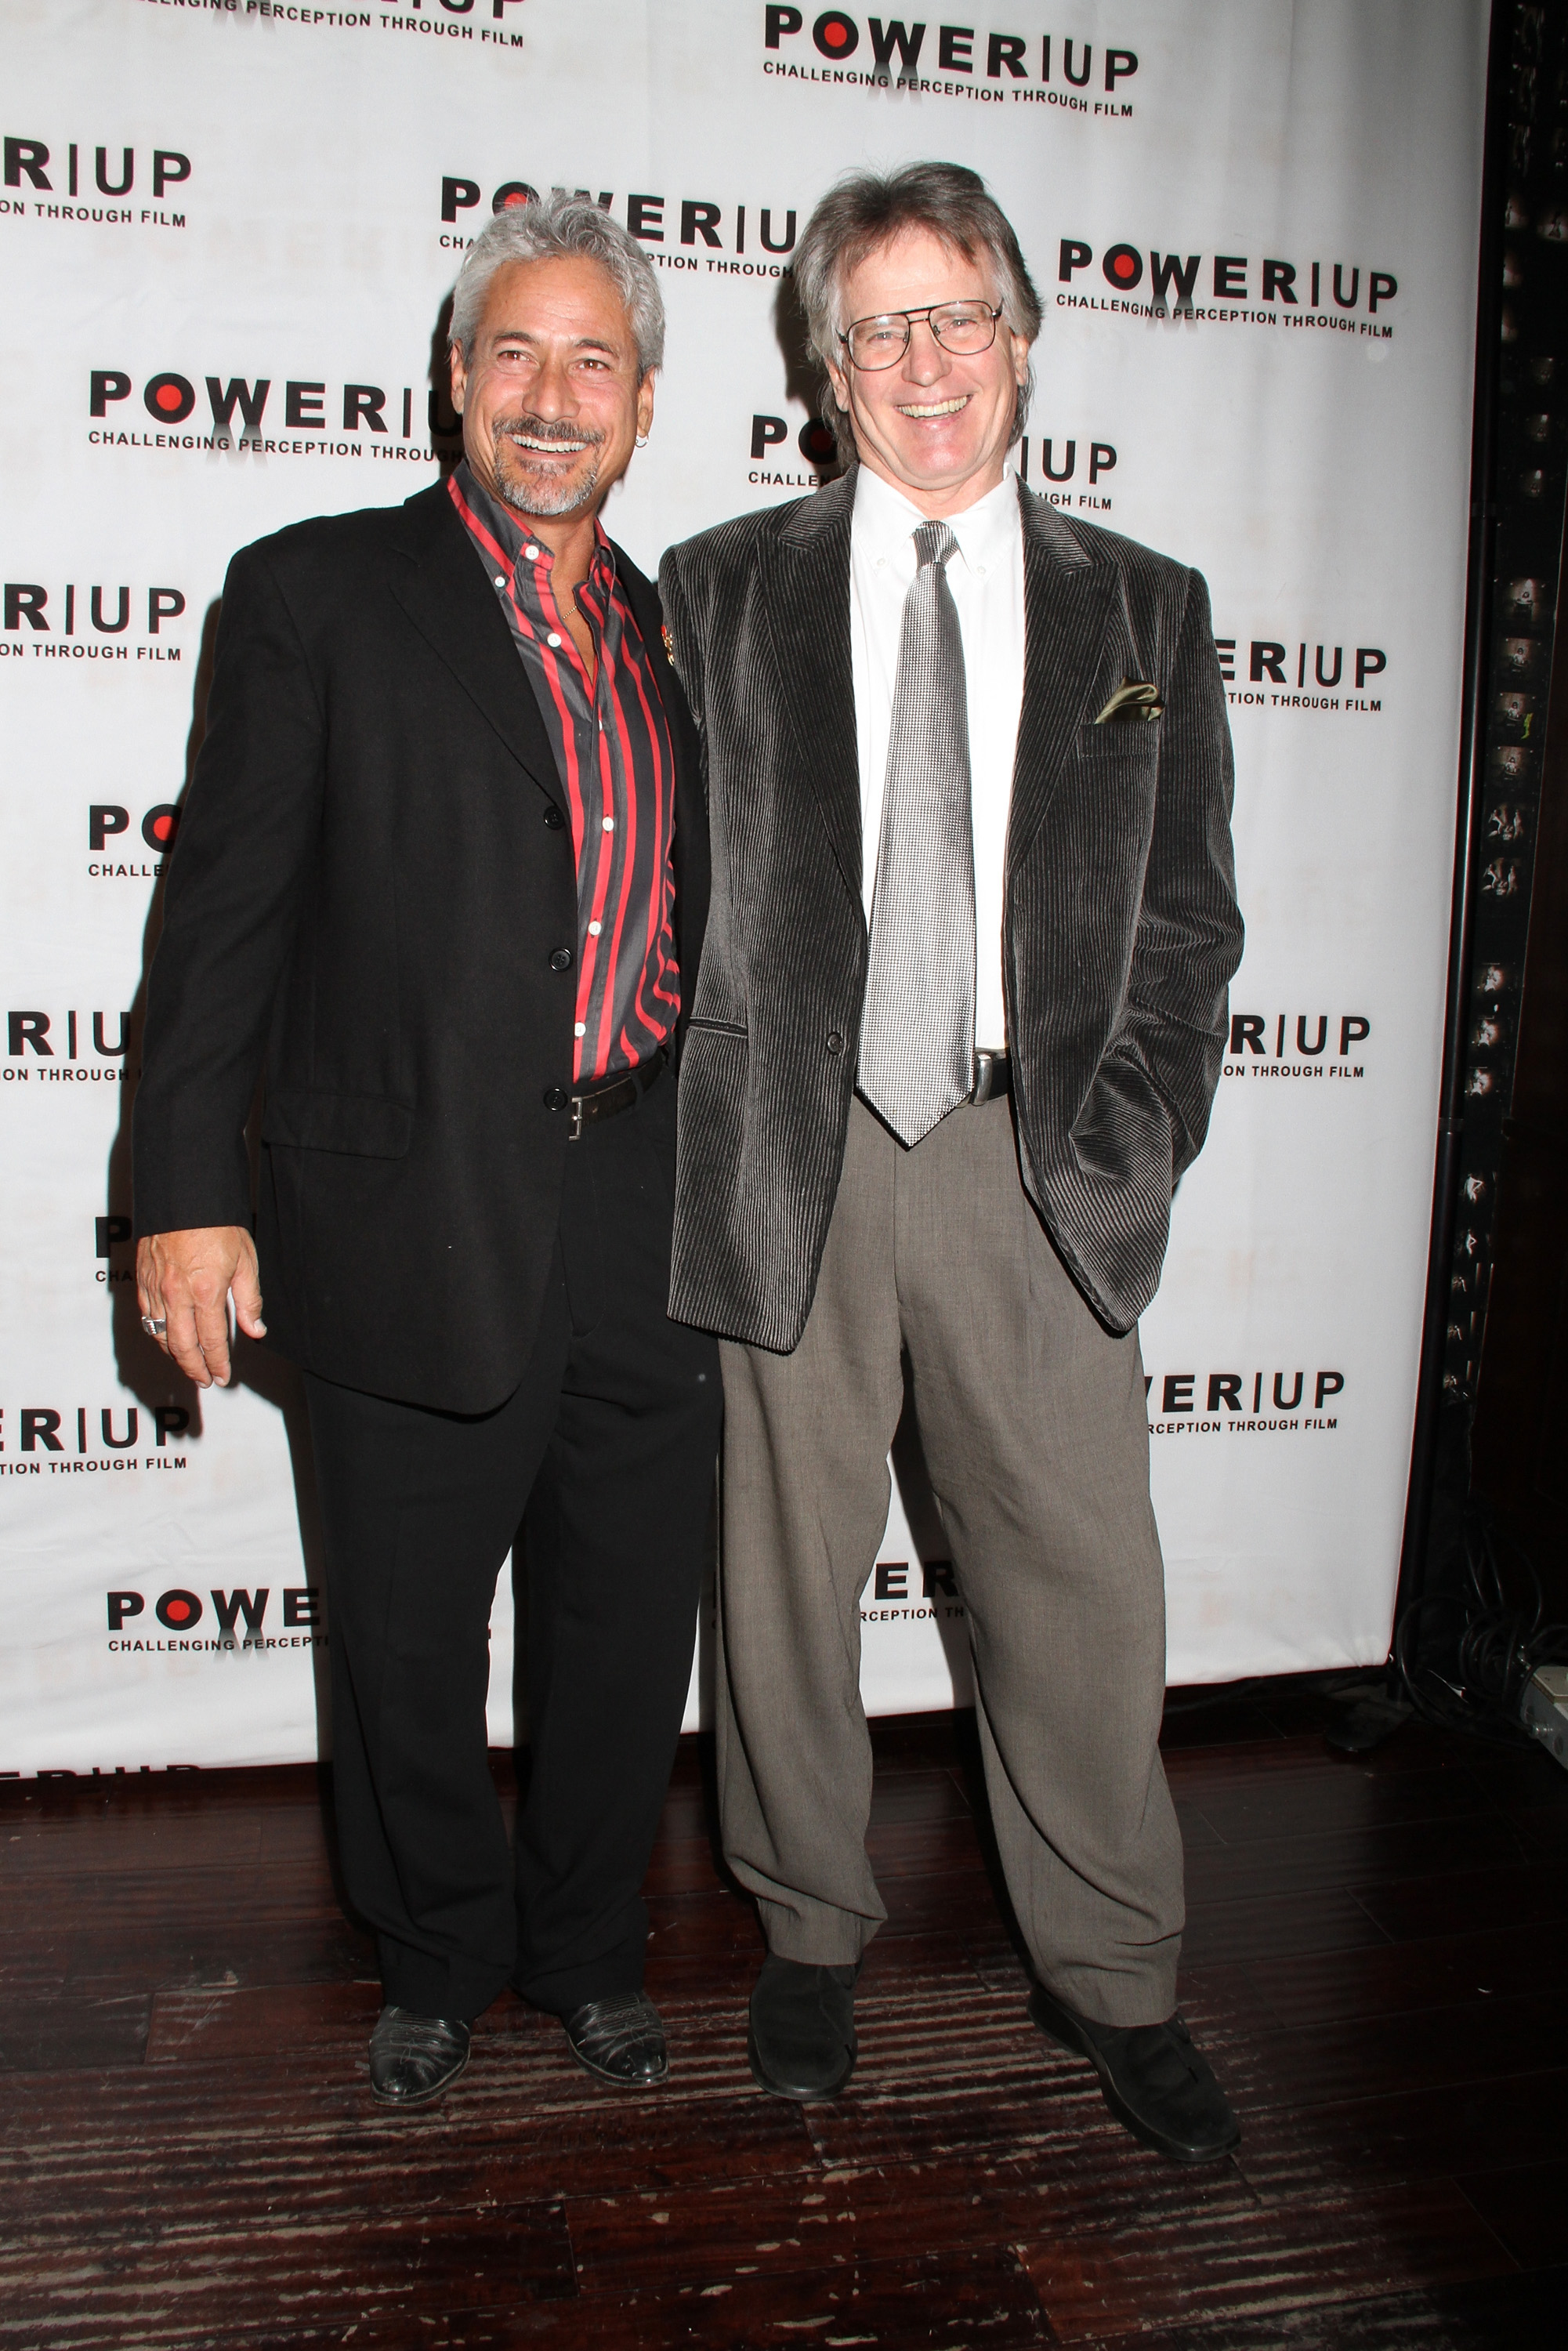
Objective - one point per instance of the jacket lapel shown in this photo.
(1068, 596)
(440, 584)
(806, 581)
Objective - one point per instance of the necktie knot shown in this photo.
(933, 543)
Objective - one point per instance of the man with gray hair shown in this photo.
(442, 878)
(958, 1024)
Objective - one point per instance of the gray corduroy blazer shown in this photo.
(1120, 934)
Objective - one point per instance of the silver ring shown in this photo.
(152, 1328)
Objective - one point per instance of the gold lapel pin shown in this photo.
(1133, 699)
(669, 648)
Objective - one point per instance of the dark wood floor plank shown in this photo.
(1476, 2043)
(1256, 2264)
(1527, 2209)
(1394, 1979)
(1379, 1857)
(779, 2226)
(1518, 2314)
(236, 2021)
(129, 1839)
(1413, 1909)
(178, 2289)
(1216, 1717)
(912, 1794)
(1294, 2151)
(941, 2301)
(1221, 1932)
(1328, 1795)
(43, 2036)
(936, 2301)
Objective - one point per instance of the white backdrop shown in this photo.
(204, 198)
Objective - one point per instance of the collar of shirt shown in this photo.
(522, 554)
(885, 519)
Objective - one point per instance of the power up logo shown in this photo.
(82, 621)
(109, 829)
(1063, 70)
(234, 1620)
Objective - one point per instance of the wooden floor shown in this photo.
(1375, 1964)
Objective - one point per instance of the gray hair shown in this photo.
(866, 209)
(549, 228)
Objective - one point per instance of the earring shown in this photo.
(641, 440)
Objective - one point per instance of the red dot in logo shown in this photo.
(1124, 265)
(163, 828)
(177, 1611)
(834, 33)
(167, 396)
(514, 203)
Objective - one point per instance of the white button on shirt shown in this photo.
(986, 577)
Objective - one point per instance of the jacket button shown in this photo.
(561, 959)
(835, 1042)
(556, 1098)
(553, 819)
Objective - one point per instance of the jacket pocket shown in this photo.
(367, 1126)
(718, 1028)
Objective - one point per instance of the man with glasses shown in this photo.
(958, 1024)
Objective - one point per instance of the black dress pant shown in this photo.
(599, 1466)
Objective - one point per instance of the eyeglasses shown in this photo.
(964, 329)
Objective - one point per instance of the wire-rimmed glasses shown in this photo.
(964, 329)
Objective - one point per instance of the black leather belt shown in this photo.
(993, 1076)
(611, 1096)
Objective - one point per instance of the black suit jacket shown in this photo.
(372, 870)
(1120, 931)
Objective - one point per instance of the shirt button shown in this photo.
(556, 1098)
(594, 929)
(553, 638)
(609, 824)
(532, 553)
(561, 959)
(579, 1028)
(553, 819)
(500, 579)
(835, 1042)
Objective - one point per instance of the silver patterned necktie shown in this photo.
(917, 1032)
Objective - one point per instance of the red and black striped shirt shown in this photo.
(617, 768)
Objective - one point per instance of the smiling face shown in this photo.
(935, 426)
(551, 397)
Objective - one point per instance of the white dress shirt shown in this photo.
(986, 577)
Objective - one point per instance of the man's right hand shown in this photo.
(185, 1281)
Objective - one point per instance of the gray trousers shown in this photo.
(1033, 1425)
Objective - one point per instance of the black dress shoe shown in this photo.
(414, 2058)
(1155, 2081)
(802, 2038)
(620, 2041)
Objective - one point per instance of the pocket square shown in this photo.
(1133, 699)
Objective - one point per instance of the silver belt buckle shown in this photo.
(984, 1070)
(574, 1131)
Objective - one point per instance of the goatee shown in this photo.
(526, 494)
